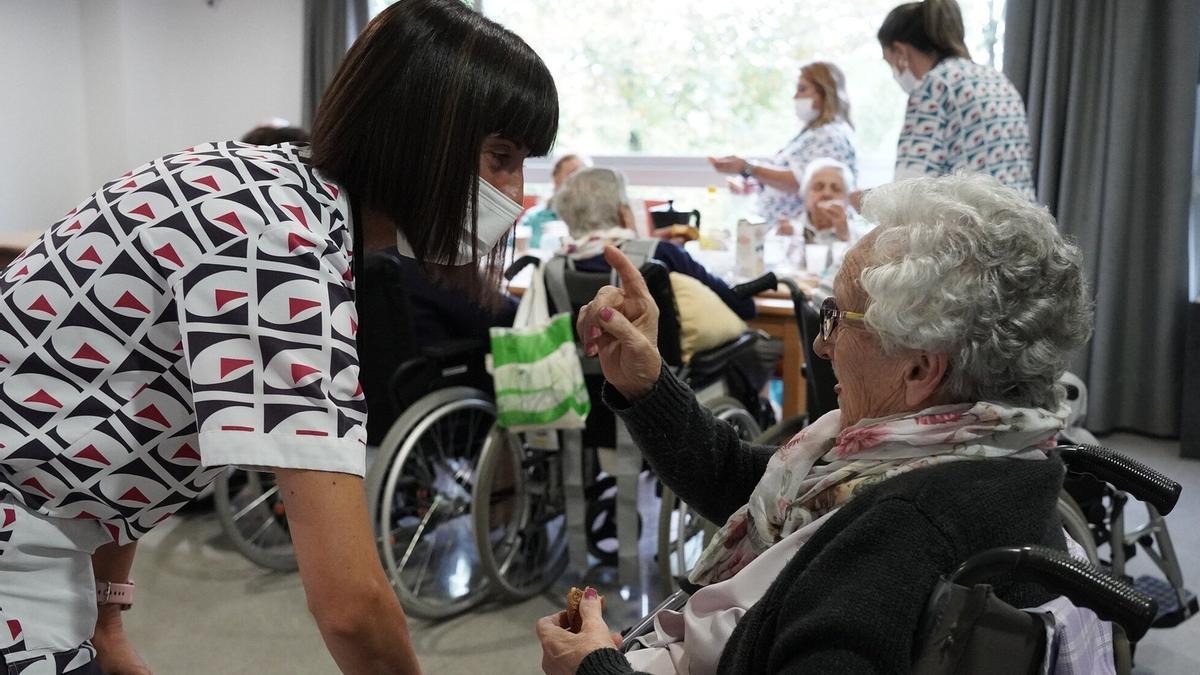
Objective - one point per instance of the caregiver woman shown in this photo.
(198, 312)
(950, 325)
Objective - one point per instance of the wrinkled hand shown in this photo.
(832, 214)
(728, 164)
(562, 650)
(115, 653)
(620, 325)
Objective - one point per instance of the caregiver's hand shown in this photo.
(621, 326)
(562, 650)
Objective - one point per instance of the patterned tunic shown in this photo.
(834, 140)
(966, 117)
(195, 312)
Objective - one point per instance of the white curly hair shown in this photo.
(965, 266)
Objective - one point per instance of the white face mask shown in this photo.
(805, 111)
(497, 214)
(907, 81)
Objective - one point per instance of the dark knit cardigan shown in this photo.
(850, 599)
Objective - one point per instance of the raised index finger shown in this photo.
(631, 279)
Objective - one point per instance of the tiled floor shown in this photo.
(202, 608)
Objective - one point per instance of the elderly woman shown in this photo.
(594, 205)
(951, 324)
(828, 216)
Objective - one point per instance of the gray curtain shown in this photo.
(330, 27)
(1110, 87)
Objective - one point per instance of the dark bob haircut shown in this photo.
(403, 122)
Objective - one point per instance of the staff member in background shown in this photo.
(199, 312)
(961, 115)
(823, 109)
(537, 217)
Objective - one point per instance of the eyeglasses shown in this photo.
(831, 316)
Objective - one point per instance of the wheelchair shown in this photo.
(965, 629)
(431, 439)
(710, 374)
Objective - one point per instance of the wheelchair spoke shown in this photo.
(257, 500)
(412, 544)
(262, 529)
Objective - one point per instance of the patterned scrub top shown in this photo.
(196, 312)
(834, 140)
(966, 116)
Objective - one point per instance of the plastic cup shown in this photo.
(816, 258)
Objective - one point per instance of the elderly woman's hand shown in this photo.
(832, 213)
(562, 650)
(621, 327)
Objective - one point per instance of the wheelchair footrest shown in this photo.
(1170, 612)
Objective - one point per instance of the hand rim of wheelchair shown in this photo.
(231, 509)
(547, 570)
(384, 476)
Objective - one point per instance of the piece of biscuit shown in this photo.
(574, 617)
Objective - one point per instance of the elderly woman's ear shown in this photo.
(923, 379)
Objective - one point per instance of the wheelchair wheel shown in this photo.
(252, 515)
(731, 411)
(420, 492)
(519, 512)
(1076, 525)
(682, 536)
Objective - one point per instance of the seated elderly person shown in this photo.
(539, 216)
(952, 322)
(828, 216)
(595, 207)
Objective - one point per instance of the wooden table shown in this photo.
(777, 318)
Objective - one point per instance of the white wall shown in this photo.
(92, 88)
(43, 165)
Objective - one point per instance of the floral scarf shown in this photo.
(792, 493)
(593, 244)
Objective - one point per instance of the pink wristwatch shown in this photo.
(108, 593)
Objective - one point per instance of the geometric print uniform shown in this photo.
(195, 312)
(834, 140)
(966, 116)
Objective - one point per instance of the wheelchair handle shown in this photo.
(1123, 473)
(766, 282)
(520, 264)
(1110, 598)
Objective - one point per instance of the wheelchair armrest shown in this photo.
(520, 264)
(674, 602)
(1123, 473)
(1110, 598)
(712, 361)
(451, 349)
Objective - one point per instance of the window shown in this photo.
(640, 82)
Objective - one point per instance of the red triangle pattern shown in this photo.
(90, 452)
(229, 365)
(178, 346)
(73, 226)
(140, 389)
(14, 628)
(3, 359)
(89, 353)
(36, 485)
(40, 396)
(353, 328)
(297, 305)
(127, 301)
(163, 517)
(358, 391)
(9, 516)
(87, 516)
(90, 255)
(43, 305)
(133, 495)
(186, 451)
(348, 275)
(301, 371)
(223, 296)
(209, 182)
(113, 531)
(168, 252)
(144, 211)
(231, 220)
(333, 189)
(295, 241)
(129, 186)
(297, 213)
(23, 271)
(152, 413)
